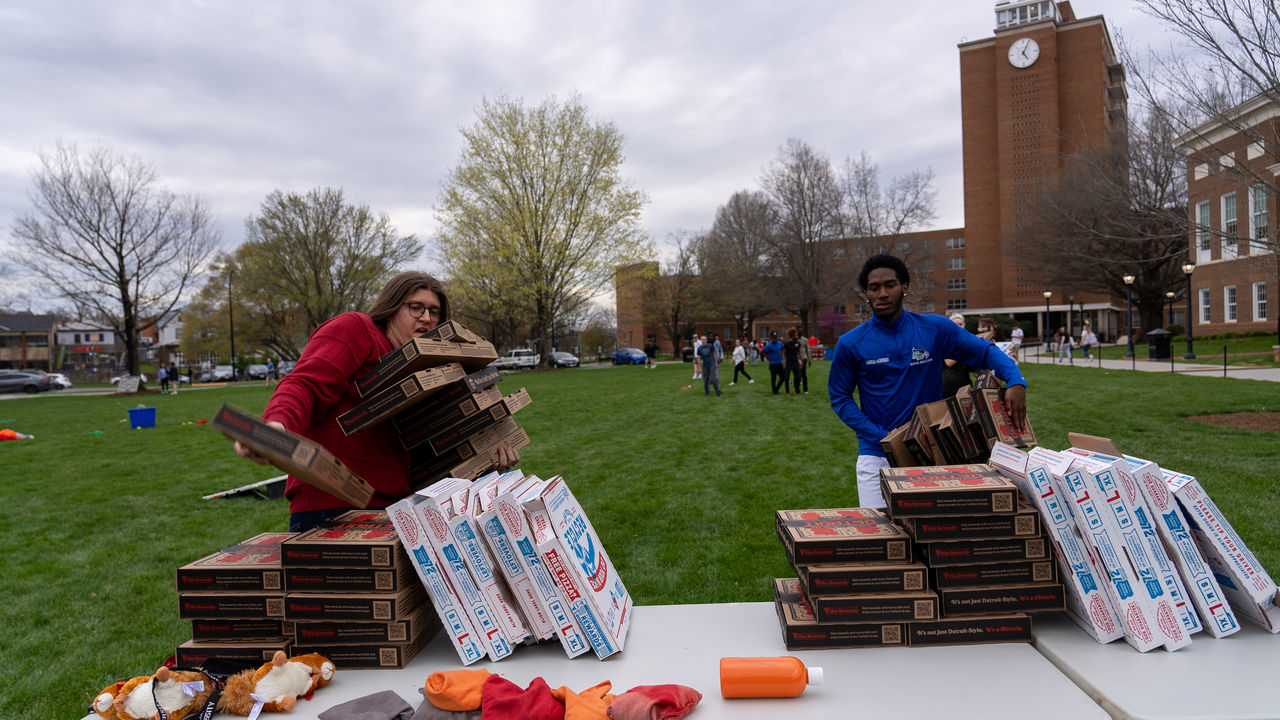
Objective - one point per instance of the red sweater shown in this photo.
(309, 400)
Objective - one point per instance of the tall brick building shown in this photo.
(1046, 86)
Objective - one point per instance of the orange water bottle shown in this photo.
(759, 677)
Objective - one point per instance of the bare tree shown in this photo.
(906, 203)
(811, 234)
(733, 258)
(1116, 210)
(672, 301)
(105, 238)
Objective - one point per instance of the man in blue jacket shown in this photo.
(773, 350)
(894, 361)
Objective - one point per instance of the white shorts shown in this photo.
(869, 467)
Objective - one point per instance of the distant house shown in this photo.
(160, 338)
(25, 341)
(85, 346)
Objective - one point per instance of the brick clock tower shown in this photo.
(1046, 86)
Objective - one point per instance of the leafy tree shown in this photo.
(107, 240)
(316, 256)
(536, 215)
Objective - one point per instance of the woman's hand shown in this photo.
(507, 458)
(246, 452)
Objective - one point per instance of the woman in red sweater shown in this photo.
(321, 387)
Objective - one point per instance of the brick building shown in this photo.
(1233, 164)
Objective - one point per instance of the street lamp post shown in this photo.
(231, 322)
(1169, 296)
(1071, 327)
(1047, 294)
(1128, 301)
(1187, 269)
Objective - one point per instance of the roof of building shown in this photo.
(26, 322)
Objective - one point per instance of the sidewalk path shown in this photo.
(1184, 368)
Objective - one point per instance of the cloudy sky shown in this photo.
(232, 99)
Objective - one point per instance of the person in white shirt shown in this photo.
(740, 362)
(1016, 338)
(1087, 339)
(697, 364)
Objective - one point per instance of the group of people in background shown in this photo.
(1064, 344)
(789, 361)
(168, 376)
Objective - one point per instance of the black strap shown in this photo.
(206, 712)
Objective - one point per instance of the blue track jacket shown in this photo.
(895, 367)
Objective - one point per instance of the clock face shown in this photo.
(1023, 52)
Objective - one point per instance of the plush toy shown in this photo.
(277, 685)
(179, 692)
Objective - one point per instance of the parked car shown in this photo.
(686, 353)
(286, 367)
(26, 381)
(256, 372)
(118, 378)
(628, 356)
(60, 381)
(224, 373)
(517, 359)
(563, 360)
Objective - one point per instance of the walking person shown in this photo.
(174, 379)
(806, 359)
(270, 378)
(791, 361)
(1015, 336)
(697, 366)
(710, 367)
(773, 351)
(1064, 343)
(1087, 339)
(740, 363)
(164, 379)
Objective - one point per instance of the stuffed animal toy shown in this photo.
(277, 685)
(179, 692)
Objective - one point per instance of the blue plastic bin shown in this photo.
(142, 417)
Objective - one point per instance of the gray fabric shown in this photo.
(383, 705)
(427, 711)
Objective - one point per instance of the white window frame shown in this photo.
(955, 243)
(956, 284)
(955, 263)
(1229, 298)
(1206, 310)
(1259, 301)
(1204, 236)
(1258, 230)
(1230, 225)
(956, 304)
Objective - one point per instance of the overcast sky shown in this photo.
(234, 99)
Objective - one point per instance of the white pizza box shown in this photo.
(1087, 601)
(505, 554)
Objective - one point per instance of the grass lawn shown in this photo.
(680, 486)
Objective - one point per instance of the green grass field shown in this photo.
(681, 488)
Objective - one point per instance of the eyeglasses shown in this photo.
(416, 309)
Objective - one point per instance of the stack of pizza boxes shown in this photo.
(989, 560)
(234, 599)
(959, 430)
(1147, 555)
(441, 398)
(351, 594)
(509, 559)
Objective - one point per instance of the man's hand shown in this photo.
(507, 458)
(1015, 400)
(245, 452)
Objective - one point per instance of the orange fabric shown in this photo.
(456, 689)
(590, 704)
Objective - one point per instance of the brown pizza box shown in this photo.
(340, 580)
(974, 630)
(368, 655)
(406, 393)
(987, 599)
(965, 552)
(296, 455)
(451, 330)
(194, 653)
(416, 428)
(801, 630)
(841, 535)
(222, 571)
(1016, 572)
(340, 632)
(947, 490)
(240, 629)
(224, 605)
(359, 607)
(421, 353)
(1024, 523)
(876, 607)
(358, 538)
(849, 578)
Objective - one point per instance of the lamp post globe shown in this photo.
(1187, 269)
(1128, 301)
(1047, 294)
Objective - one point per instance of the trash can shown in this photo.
(1158, 342)
(143, 417)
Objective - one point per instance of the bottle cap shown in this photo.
(815, 675)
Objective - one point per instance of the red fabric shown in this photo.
(309, 400)
(504, 700)
(654, 702)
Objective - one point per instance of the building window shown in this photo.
(955, 263)
(1229, 303)
(1259, 301)
(1201, 172)
(837, 253)
(955, 283)
(955, 304)
(1258, 210)
(1203, 236)
(1229, 225)
(1204, 306)
(955, 243)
